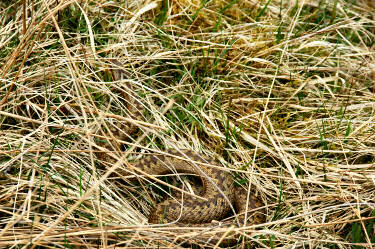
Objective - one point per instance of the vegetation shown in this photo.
(282, 93)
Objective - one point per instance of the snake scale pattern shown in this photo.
(220, 196)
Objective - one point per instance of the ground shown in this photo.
(280, 93)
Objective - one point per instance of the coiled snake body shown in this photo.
(219, 195)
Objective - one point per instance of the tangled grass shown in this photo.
(280, 92)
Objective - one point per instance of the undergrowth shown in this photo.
(281, 93)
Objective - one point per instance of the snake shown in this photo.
(220, 198)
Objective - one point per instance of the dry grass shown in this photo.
(280, 93)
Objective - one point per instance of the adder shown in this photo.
(220, 197)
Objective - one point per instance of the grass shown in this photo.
(279, 92)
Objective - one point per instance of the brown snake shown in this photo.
(219, 195)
